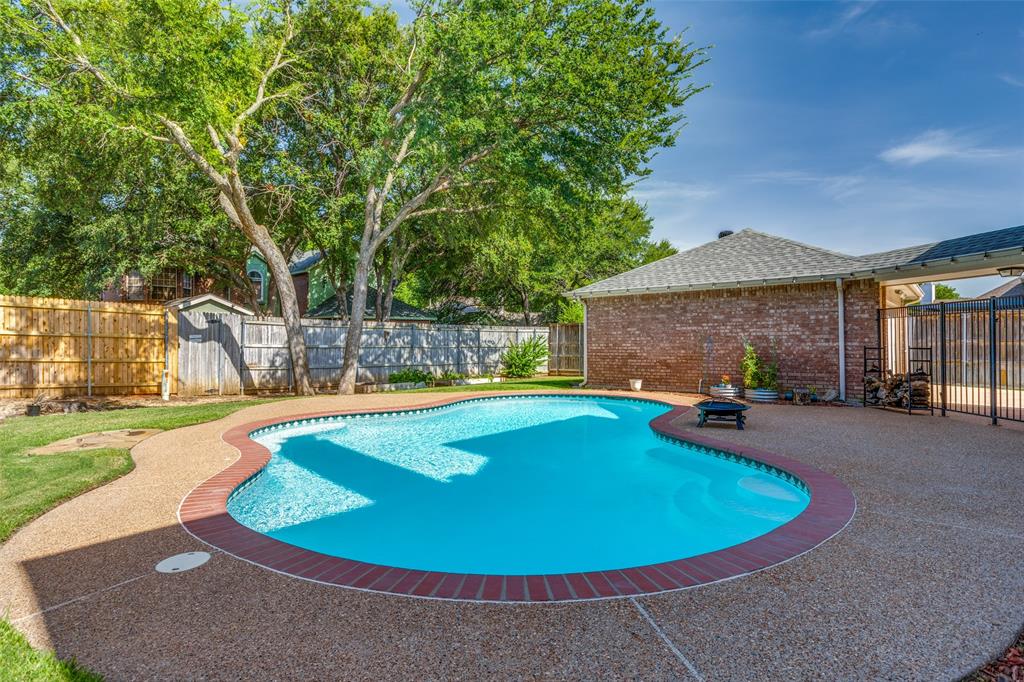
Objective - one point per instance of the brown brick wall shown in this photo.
(660, 338)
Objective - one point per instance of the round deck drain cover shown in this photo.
(183, 562)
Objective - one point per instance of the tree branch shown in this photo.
(279, 63)
(451, 209)
(181, 140)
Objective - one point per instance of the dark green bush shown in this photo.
(520, 360)
(409, 375)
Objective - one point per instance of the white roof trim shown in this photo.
(203, 298)
(920, 271)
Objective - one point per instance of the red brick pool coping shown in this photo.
(203, 513)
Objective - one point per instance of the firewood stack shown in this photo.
(893, 390)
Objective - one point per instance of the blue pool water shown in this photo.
(514, 486)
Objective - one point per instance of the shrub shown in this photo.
(451, 376)
(750, 365)
(520, 360)
(570, 312)
(409, 375)
(758, 374)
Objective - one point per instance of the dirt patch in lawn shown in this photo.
(124, 439)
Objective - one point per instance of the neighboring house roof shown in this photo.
(751, 258)
(300, 262)
(190, 302)
(400, 310)
(303, 261)
(1015, 287)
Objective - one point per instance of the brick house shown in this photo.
(679, 323)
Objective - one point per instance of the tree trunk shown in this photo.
(526, 308)
(398, 257)
(347, 384)
(260, 237)
(378, 303)
(285, 288)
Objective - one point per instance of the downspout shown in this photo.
(841, 305)
(584, 334)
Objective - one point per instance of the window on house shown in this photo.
(134, 286)
(257, 281)
(186, 285)
(164, 286)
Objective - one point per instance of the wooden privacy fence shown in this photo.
(565, 349)
(60, 347)
(227, 353)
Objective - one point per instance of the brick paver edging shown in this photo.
(203, 513)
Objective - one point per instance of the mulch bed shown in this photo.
(1008, 668)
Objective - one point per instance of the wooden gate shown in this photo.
(565, 349)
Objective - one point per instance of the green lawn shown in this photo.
(536, 383)
(22, 662)
(32, 484)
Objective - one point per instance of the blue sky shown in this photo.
(856, 126)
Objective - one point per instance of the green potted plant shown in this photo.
(761, 379)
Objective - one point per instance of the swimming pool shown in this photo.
(518, 485)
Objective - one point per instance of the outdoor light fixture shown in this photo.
(1012, 271)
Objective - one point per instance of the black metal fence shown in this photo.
(977, 347)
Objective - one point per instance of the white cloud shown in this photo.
(654, 190)
(941, 144)
(842, 20)
(837, 187)
(1012, 80)
(855, 20)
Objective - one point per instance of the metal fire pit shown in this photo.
(721, 410)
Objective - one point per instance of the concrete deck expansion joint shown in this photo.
(924, 586)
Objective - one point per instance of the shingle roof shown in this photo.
(303, 261)
(746, 256)
(1015, 287)
(950, 248)
(749, 258)
(400, 310)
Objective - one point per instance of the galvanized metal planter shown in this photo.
(762, 395)
(726, 391)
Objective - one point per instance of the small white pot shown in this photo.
(634, 384)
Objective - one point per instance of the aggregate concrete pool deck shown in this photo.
(926, 582)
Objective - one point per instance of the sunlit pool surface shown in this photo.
(524, 485)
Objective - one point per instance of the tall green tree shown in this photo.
(477, 103)
(349, 126)
(525, 261)
(142, 75)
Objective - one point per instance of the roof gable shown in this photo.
(751, 258)
(747, 256)
(400, 310)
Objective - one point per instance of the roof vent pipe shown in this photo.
(724, 233)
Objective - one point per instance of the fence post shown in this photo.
(878, 326)
(88, 343)
(942, 356)
(993, 359)
(480, 351)
(241, 357)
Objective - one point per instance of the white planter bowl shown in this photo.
(635, 384)
(762, 395)
(725, 391)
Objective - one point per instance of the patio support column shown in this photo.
(841, 305)
(583, 340)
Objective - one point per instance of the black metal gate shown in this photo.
(977, 347)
